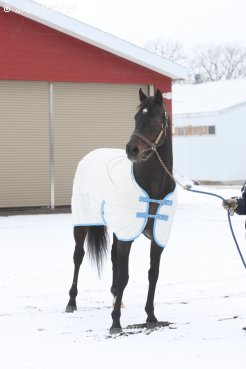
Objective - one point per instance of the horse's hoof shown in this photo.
(115, 330)
(71, 309)
(151, 325)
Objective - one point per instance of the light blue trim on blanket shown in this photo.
(157, 211)
(102, 213)
(87, 225)
(147, 208)
(160, 202)
(104, 223)
(154, 216)
(146, 215)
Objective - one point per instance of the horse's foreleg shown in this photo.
(123, 250)
(155, 257)
(79, 236)
(114, 266)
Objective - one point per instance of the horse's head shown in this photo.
(150, 127)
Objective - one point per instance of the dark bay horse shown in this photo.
(149, 155)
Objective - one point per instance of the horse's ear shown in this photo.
(158, 97)
(142, 95)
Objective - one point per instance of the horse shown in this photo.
(142, 173)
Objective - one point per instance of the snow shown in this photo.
(209, 97)
(201, 290)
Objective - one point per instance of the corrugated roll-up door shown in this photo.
(24, 144)
(89, 116)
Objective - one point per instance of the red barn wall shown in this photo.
(32, 51)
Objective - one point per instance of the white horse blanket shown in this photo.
(105, 192)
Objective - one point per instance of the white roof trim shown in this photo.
(203, 98)
(195, 115)
(207, 113)
(98, 38)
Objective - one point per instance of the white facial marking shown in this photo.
(145, 111)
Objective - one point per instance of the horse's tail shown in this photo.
(97, 241)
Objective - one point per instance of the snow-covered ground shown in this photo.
(201, 290)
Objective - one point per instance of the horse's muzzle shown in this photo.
(132, 151)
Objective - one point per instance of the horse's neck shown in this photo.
(152, 177)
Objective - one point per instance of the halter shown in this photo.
(156, 143)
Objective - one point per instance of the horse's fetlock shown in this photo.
(113, 290)
(73, 292)
(115, 314)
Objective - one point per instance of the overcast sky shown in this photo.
(190, 22)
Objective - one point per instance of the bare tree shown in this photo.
(173, 51)
(219, 62)
(208, 63)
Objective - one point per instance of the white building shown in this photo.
(209, 126)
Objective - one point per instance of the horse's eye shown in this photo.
(145, 111)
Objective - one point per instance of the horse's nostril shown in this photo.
(132, 150)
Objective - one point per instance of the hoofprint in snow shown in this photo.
(201, 291)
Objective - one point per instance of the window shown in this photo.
(194, 130)
(211, 130)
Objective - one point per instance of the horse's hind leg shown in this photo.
(123, 250)
(79, 236)
(155, 257)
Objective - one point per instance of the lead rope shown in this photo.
(188, 188)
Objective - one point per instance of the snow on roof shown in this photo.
(208, 97)
(96, 37)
